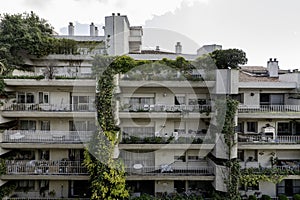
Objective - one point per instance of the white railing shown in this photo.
(288, 139)
(166, 108)
(86, 107)
(38, 167)
(36, 136)
(268, 108)
(170, 170)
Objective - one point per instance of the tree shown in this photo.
(27, 34)
(22, 34)
(229, 58)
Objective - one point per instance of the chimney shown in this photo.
(96, 31)
(273, 68)
(118, 14)
(113, 14)
(92, 29)
(178, 48)
(71, 29)
(157, 48)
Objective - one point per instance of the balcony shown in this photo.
(37, 167)
(268, 108)
(38, 136)
(268, 142)
(167, 108)
(165, 170)
(280, 111)
(259, 139)
(48, 110)
(169, 142)
(82, 107)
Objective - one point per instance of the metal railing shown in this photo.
(38, 136)
(268, 108)
(288, 139)
(85, 107)
(166, 108)
(170, 170)
(38, 167)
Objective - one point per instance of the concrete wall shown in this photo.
(227, 81)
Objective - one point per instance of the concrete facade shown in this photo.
(167, 140)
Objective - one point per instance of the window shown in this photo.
(44, 97)
(240, 127)
(82, 102)
(45, 125)
(76, 154)
(25, 185)
(141, 100)
(283, 128)
(82, 126)
(240, 155)
(25, 97)
(252, 127)
(238, 97)
(198, 102)
(138, 131)
(179, 100)
(44, 154)
(194, 158)
(27, 125)
(271, 99)
(179, 158)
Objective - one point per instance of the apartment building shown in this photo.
(166, 121)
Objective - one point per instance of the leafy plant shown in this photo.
(282, 197)
(296, 197)
(252, 197)
(265, 197)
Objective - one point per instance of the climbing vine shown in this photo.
(252, 176)
(107, 174)
(228, 108)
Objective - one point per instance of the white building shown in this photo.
(165, 120)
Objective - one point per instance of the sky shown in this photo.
(262, 28)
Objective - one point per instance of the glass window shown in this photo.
(29, 98)
(283, 128)
(45, 125)
(240, 155)
(21, 98)
(43, 97)
(179, 100)
(252, 127)
(27, 125)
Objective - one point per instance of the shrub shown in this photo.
(265, 197)
(296, 197)
(282, 197)
(252, 197)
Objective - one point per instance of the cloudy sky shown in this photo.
(262, 28)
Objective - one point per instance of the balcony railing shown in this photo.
(166, 108)
(82, 107)
(167, 170)
(288, 139)
(37, 136)
(37, 167)
(268, 108)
